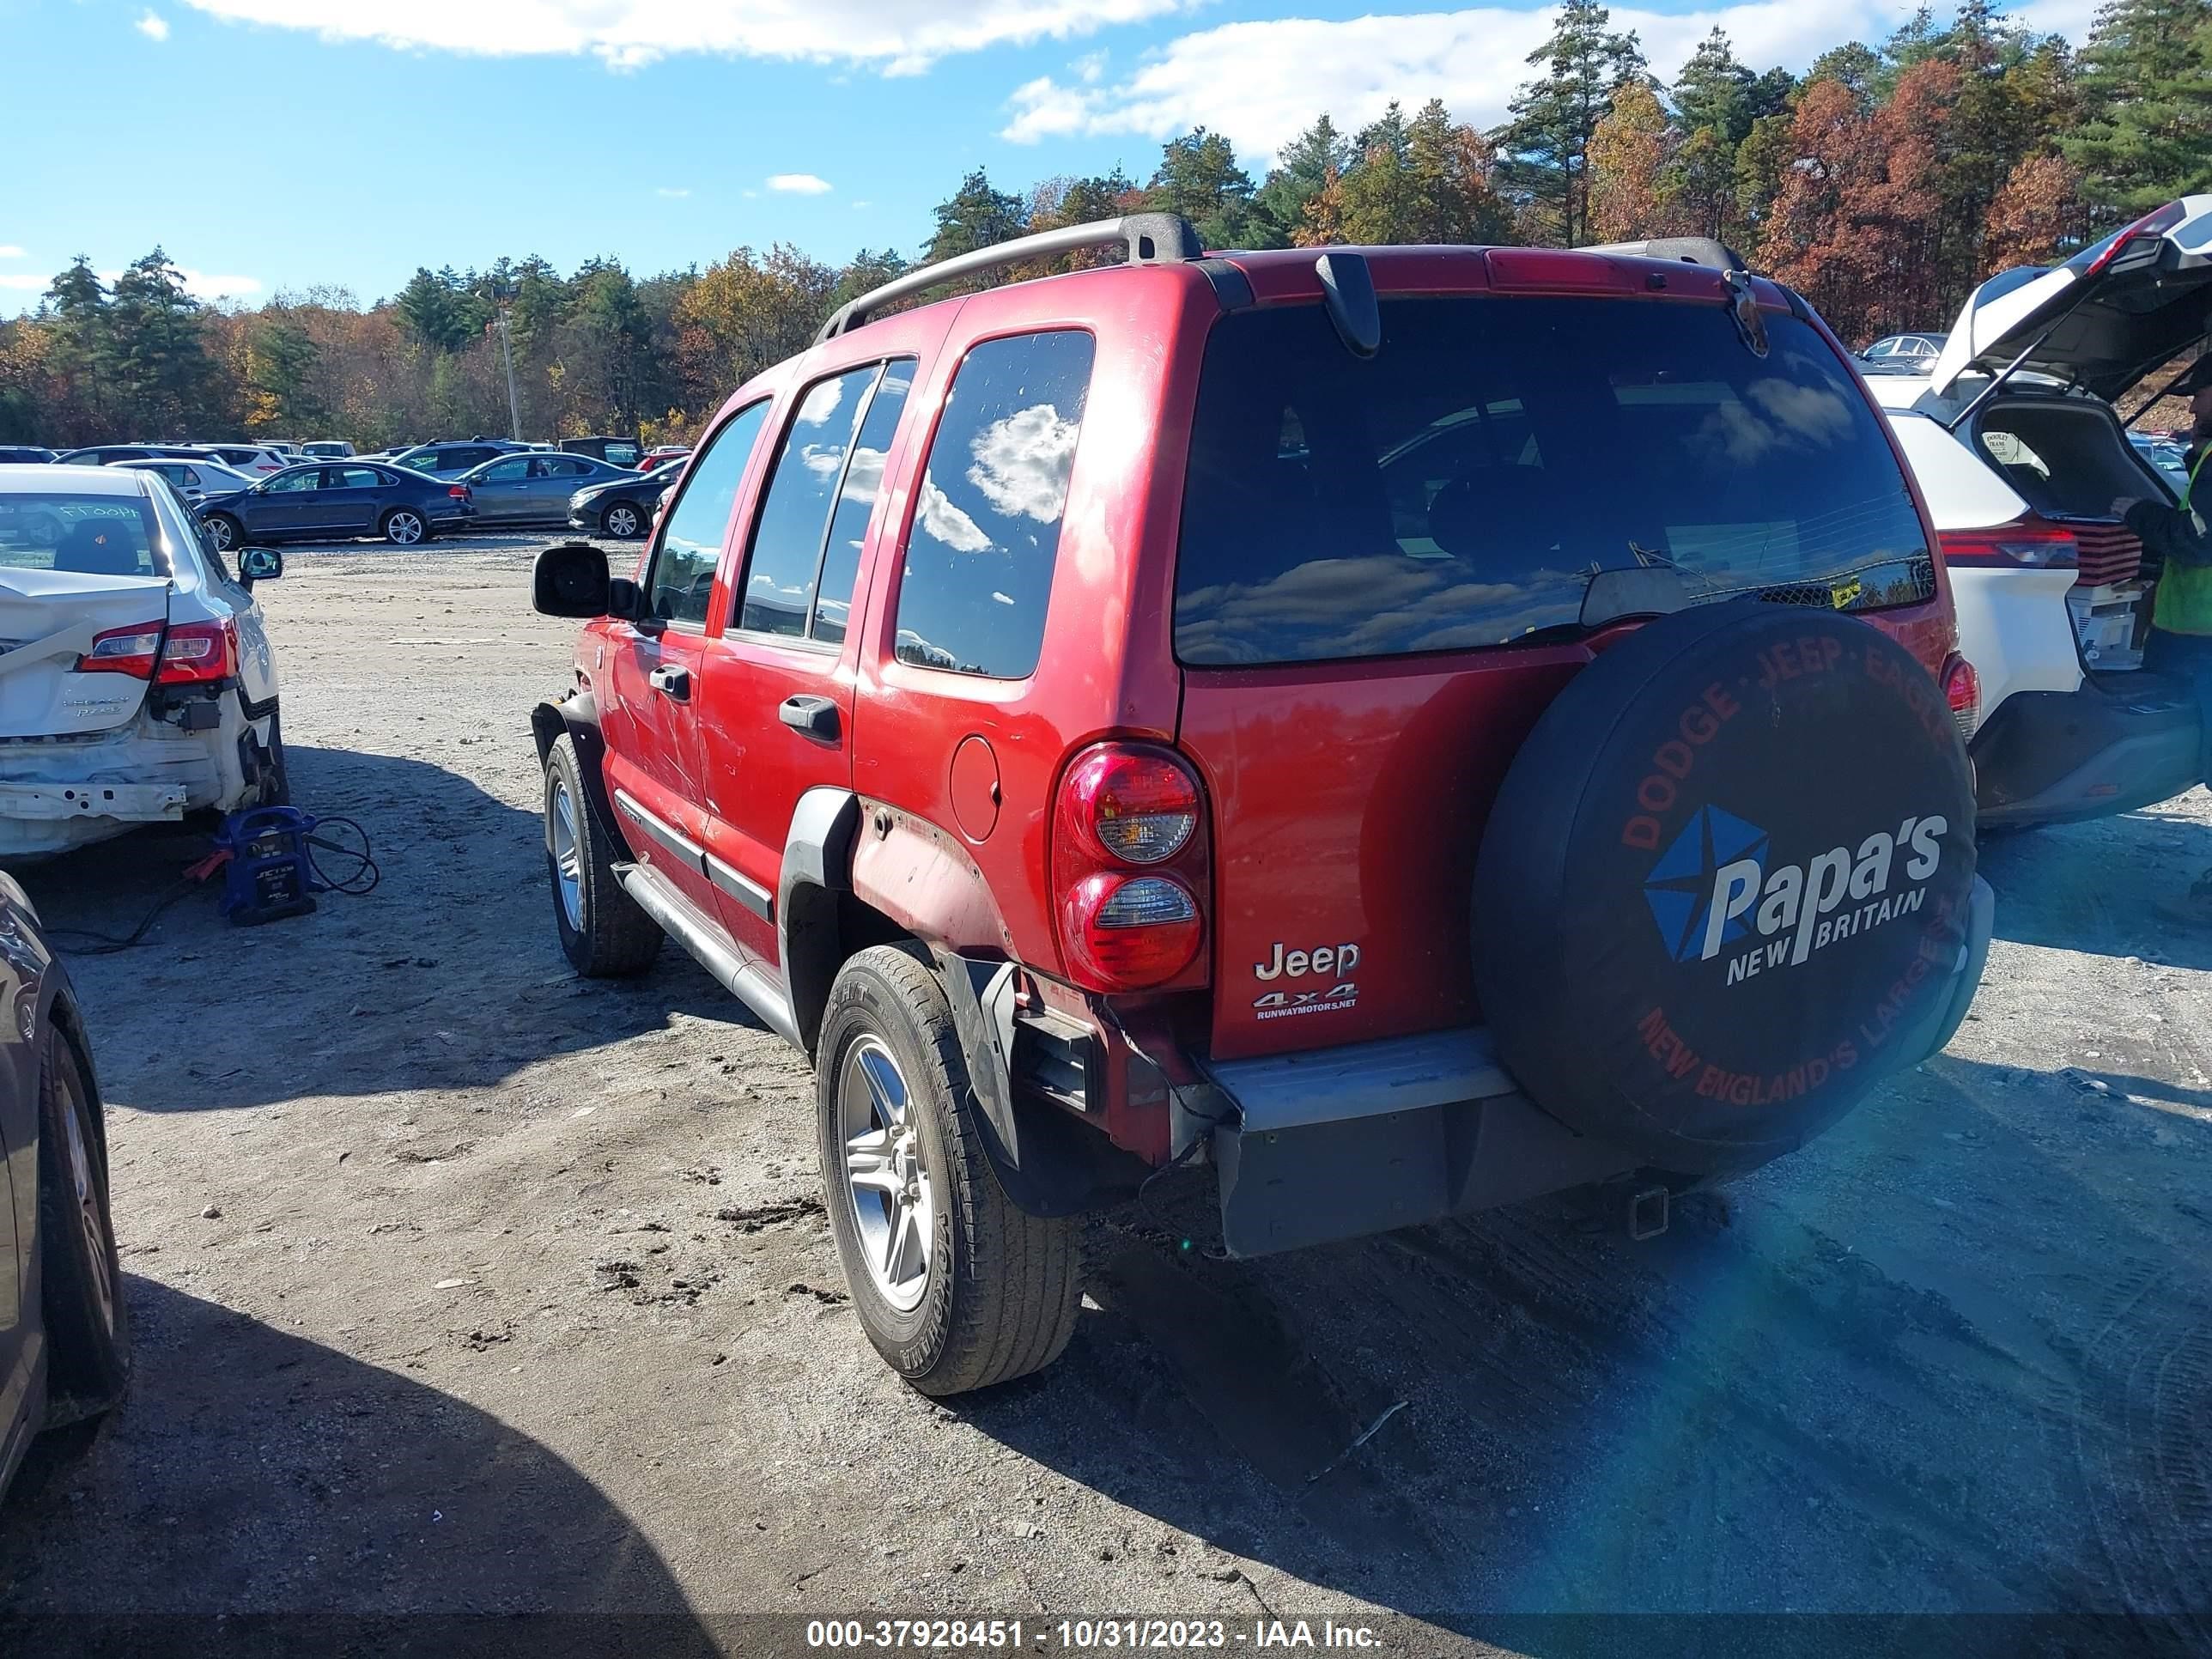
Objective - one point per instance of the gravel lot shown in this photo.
(462, 1285)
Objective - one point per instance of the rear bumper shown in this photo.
(2063, 757)
(55, 797)
(1339, 1142)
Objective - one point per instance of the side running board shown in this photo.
(704, 939)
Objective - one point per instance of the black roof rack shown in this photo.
(1682, 250)
(1151, 239)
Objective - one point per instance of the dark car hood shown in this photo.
(2109, 316)
(219, 498)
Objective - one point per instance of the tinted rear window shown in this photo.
(1460, 488)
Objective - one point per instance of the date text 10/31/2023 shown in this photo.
(1088, 1635)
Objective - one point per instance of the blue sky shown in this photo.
(276, 145)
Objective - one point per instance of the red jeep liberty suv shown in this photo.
(1412, 728)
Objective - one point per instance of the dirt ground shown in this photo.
(462, 1285)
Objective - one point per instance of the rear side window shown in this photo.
(1460, 488)
(683, 576)
(986, 536)
(856, 501)
(795, 514)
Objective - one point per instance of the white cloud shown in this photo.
(901, 36)
(153, 25)
(944, 520)
(675, 195)
(11, 251)
(857, 205)
(800, 184)
(23, 281)
(1262, 83)
(1022, 462)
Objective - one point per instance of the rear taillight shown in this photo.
(2121, 254)
(2026, 543)
(458, 492)
(1131, 806)
(123, 651)
(1130, 867)
(196, 652)
(1962, 690)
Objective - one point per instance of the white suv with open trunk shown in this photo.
(2014, 438)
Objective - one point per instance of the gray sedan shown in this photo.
(525, 488)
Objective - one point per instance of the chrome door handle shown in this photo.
(673, 684)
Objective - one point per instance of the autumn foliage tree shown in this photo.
(1628, 154)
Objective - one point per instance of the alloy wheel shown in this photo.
(887, 1179)
(622, 521)
(568, 854)
(404, 528)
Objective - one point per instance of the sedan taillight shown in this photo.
(123, 651)
(197, 652)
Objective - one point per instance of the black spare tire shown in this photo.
(1725, 883)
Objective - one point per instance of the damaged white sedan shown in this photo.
(136, 683)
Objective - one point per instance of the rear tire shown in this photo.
(995, 1296)
(404, 526)
(87, 1323)
(604, 933)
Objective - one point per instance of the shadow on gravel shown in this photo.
(448, 976)
(2097, 887)
(1956, 1356)
(373, 1510)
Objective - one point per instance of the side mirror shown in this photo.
(258, 564)
(570, 579)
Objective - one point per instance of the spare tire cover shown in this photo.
(1728, 871)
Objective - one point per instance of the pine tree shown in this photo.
(1854, 66)
(1543, 147)
(1714, 90)
(2145, 85)
(1301, 173)
(974, 216)
(1197, 176)
(78, 352)
(1450, 169)
(155, 355)
(1387, 131)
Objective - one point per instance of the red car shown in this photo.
(1408, 729)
